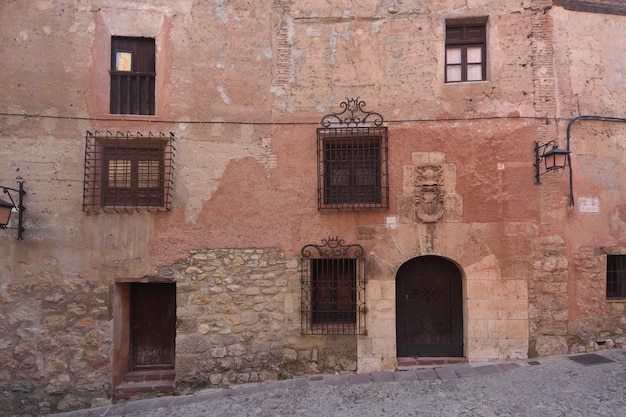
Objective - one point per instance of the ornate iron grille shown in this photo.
(352, 159)
(128, 171)
(333, 288)
(616, 276)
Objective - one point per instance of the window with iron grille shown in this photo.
(333, 288)
(466, 50)
(128, 171)
(352, 160)
(132, 75)
(616, 277)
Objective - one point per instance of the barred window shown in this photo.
(616, 277)
(352, 160)
(132, 75)
(333, 288)
(466, 50)
(128, 171)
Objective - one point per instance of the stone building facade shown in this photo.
(191, 220)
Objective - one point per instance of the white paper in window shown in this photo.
(148, 173)
(119, 173)
(474, 72)
(453, 73)
(474, 54)
(453, 56)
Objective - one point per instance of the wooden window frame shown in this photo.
(133, 91)
(464, 35)
(128, 171)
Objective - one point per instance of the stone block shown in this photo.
(369, 365)
(510, 290)
(482, 350)
(517, 329)
(477, 289)
(382, 309)
(513, 348)
(478, 329)
(512, 309)
(373, 291)
(383, 348)
(482, 309)
(388, 290)
(498, 329)
(382, 328)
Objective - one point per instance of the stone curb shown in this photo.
(445, 372)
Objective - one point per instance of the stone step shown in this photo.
(429, 361)
(150, 375)
(128, 390)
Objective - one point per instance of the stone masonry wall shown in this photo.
(600, 324)
(55, 345)
(547, 298)
(238, 321)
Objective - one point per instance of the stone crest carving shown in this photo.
(429, 192)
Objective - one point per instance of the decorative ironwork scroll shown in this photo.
(429, 193)
(333, 248)
(353, 115)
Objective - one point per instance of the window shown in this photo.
(333, 288)
(132, 75)
(126, 171)
(466, 50)
(352, 160)
(616, 277)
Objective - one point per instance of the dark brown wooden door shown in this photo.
(429, 308)
(153, 325)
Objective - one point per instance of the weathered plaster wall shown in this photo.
(243, 88)
(590, 70)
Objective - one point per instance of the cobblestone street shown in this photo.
(575, 385)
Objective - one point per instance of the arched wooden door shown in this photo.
(429, 308)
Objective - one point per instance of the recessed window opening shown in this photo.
(352, 159)
(132, 75)
(333, 288)
(466, 50)
(616, 277)
(128, 171)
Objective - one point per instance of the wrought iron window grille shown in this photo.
(352, 156)
(128, 171)
(333, 288)
(616, 277)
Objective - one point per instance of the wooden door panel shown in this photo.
(153, 325)
(429, 318)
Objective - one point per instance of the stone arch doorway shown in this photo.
(429, 308)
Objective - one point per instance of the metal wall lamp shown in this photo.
(6, 208)
(554, 159)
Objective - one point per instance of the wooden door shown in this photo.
(429, 308)
(153, 325)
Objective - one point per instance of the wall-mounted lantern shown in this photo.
(554, 158)
(6, 208)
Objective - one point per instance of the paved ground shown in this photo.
(555, 386)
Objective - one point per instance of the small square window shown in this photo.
(352, 166)
(127, 171)
(616, 277)
(466, 50)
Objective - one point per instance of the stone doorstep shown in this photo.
(127, 390)
(150, 375)
(407, 363)
(143, 382)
